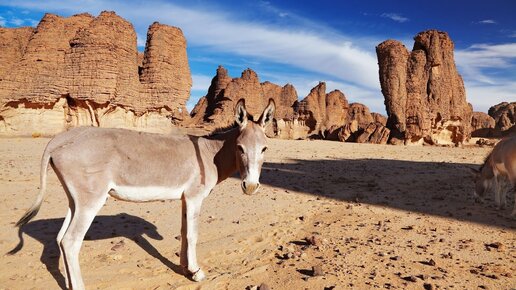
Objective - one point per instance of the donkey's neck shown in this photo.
(223, 147)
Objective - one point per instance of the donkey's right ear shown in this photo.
(241, 113)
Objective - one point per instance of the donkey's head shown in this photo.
(251, 144)
(483, 178)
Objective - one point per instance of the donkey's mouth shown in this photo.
(249, 188)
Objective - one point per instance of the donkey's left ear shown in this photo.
(268, 114)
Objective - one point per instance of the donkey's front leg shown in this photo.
(191, 207)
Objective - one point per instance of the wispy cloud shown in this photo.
(201, 82)
(3, 22)
(222, 31)
(487, 21)
(394, 16)
(476, 58)
(489, 73)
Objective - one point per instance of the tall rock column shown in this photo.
(165, 75)
(424, 95)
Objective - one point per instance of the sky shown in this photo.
(305, 42)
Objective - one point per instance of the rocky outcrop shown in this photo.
(482, 125)
(504, 115)
(85, 70)
(216, 108)
(362, 114)
(322, 112)
(424, 94)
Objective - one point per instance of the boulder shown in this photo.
(482, 125)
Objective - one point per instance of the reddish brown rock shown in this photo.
(379, 118)
(362, 114)
(424, 94)
(322, 112)
(374, 133)
(85, 70)
(165, 74)
(504, 115)
(216, 108)
(13, 43)
(482, 125)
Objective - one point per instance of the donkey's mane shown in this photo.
(485, 161)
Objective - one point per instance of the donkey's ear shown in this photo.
(241, 113)
(268, 114)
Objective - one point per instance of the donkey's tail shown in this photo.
(33, 210)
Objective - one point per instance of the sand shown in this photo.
(363, 216)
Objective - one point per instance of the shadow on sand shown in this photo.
(127, 226)
(433, 188)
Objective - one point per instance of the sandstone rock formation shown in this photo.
(424, 94)
(362, 114)
(85, 70)
(482, 125)
(321, 112)
(504, 115)
(216, 108)
(331, 117)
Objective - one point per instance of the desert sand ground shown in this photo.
(369, 216)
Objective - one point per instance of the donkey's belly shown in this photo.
(145, 193)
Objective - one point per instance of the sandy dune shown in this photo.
(375, 217)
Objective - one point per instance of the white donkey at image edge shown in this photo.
(93, 163)
(498, 173)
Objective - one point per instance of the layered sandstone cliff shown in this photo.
(424, 94)
(85, 70)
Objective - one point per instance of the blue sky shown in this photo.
(304, 42)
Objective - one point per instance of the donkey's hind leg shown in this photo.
(59, 238)
(87, 205)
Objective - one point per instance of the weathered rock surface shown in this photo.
(482, 125)
(85, 70)
(424, 94)
(323, 112)
(504, 115)
(362, 114)
(216, 108)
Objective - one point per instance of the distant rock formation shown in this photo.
(504, 115)
(321, 112)
(424, 94)
(85, 70)
(482, 125)
(216, 108)
(331, 117)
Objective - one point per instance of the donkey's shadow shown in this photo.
(103, 227)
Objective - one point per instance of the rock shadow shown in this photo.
(433, 188)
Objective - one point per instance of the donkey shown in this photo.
(93, 163)
(498, 173)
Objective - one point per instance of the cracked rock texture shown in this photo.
(424, 94)
(85, 70)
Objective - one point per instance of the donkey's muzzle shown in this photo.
(250, 187)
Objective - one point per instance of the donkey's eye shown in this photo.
(264, 149)
(240, 149)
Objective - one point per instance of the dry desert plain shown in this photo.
(368, 216)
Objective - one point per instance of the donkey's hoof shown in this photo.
(198, 276)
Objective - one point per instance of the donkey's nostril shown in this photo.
(243, 185)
